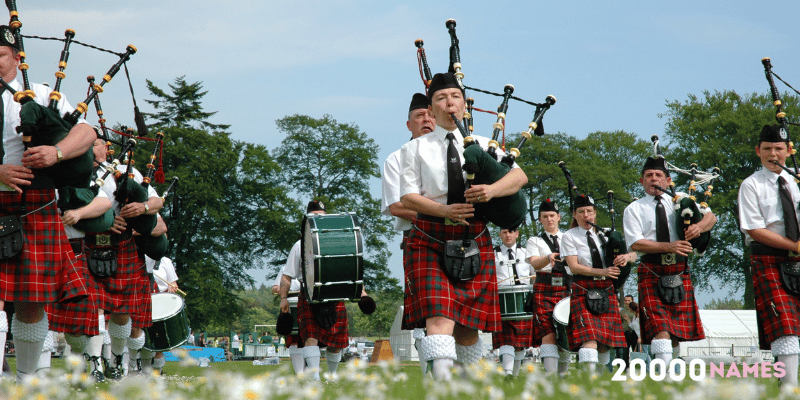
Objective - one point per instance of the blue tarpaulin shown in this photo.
(212, 353)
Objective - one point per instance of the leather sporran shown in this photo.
(324, 314)
(597, 301)
(790, 277)
(102, 262)
(11, 239)
(670, 289)
(461, 263)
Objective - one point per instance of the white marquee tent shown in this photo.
(731, 333)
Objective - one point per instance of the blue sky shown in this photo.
(612, 65)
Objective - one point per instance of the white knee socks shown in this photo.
(333, 360)
(312, 355)
(549, 355)
(442, 350)
(28, 341)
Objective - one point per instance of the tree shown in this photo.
(725, 304)
(333, 162)
(228, 212)
(721, 129)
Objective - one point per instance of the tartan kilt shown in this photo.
(119, 289)
(430, 293)
(545, 298)
(584, 326)
(45, 270)
(336, 336)
(784, 319)
(143, 317)
(682, 321)
(515, 333)
(81, 317)
(292, 340)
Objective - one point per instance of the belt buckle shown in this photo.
(448, 221)
(103, 240)
(668, 259)
(557, 281)
(599, 278)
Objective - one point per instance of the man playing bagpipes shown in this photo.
(667, 307)
(450, 289)
(43, 270)
(420, 122)
(553, 281)
(512, 269)
(768, 207)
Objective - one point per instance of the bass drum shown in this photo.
(561, 322)
(512, 302)
(332, 258)
(170, 327)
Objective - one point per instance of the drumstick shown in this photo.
(181, 292)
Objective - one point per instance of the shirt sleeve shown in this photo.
(632, 226)
(749, 213)
(390, 184)
(169, 267)
(532, 248)
(410, 179)
(568, 245)
(292, 268)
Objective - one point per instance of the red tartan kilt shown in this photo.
(81, 317)
(292, 340)
(784, 319)
(44, 271)
(336, 336)
(515, 333)
(584, 326)
(682, 321)
(143, 317)
(545, 298)
(120, 289)
(430, 293)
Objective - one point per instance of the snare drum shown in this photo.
(512, 302)
(333, 260)
(170, 327)
(561, 321)
(293, 311)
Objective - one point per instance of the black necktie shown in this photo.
(662, 226)
(554, 238)
(2, 118)
(455, 179)
(789, 216)
(510, 254)
(513, 266)
(597, 259)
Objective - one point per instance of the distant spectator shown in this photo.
(250, 338)
(202, 341)
(190, 340)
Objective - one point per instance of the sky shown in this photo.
(612, 65)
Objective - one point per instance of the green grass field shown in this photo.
(243, 380)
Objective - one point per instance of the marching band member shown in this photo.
(768, 207)
(312, 330)
(43, 272)
(167, 282)
(512, 270)
(553, 282)
(432, 184)
(649, 225)
(292, 342)
(594, 316)
(420, 122)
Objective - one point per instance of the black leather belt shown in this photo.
(41, 182)
(758, 249)
(554, 279)
(105, 239)
(581, 278)
(663, 258)
(77, 246)
(440, 220)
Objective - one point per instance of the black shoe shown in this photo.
(95, 362)
(115, 373)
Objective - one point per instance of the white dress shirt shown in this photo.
(295, 285)
(639, 219)
(292, 269)
(423, 163)
(505, 266)
(537, 247)
(165, 271)
(760, 205)
(106, 191)
(574, 244)
(390, 183)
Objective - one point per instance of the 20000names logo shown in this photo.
(696, 370)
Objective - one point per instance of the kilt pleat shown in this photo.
(143, 317)
(545, 298)
(44, 271)
(778, 311)
(515, 333)
(336, 336)
(78, 317)
(682, 320)
(584, 326)
(120, 289)
(430, 293)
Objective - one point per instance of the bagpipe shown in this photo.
(485, 167)
(42, 125)
(687, 211)
(780, 114)
(612, 240)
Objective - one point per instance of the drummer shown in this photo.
(167, 281)
(512, 270)
(292, 342)
(553, 281)
(594, 310)
(324, 324)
